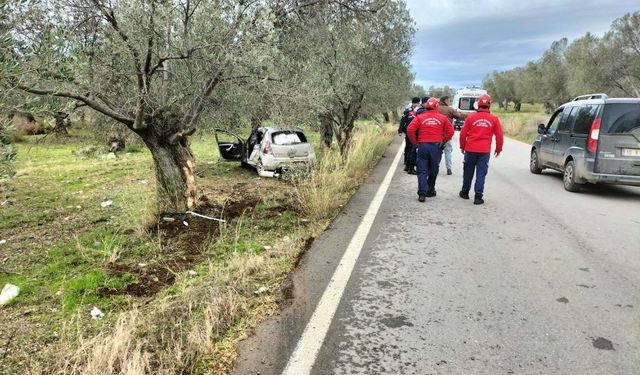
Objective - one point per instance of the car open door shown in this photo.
(230, 145)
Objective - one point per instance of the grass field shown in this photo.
(521, 125)
(177, 292)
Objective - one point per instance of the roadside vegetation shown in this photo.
(523, 124)
(177, 291)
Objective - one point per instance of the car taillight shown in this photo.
(594, 134)
(267, 148)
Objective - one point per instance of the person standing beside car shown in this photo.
(476, 137)
(433, 130)
(409, 149)
(446, 109)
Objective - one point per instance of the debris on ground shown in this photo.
(142, 264)
(204, 216)
(260, 291)
(185, 223)
(106, 203)
(9, 292)
(192, 273)
(267, 247)
(96, 313)
(168, 219)
(2, 242)
(97, 244)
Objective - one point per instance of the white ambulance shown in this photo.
(465, 101)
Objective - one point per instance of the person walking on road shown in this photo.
(409, 149)
(446, 109)
(433, 131)
(475, 143)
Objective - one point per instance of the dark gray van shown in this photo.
(592, 139)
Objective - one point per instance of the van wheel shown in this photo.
(569, 178)
(534, 163)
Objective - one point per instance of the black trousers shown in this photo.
(409, 154)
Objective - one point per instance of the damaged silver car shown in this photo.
(271, 151)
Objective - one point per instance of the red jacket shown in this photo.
(431, 127)
(477, 131)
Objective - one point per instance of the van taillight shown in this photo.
(594, 134)
(267, 148)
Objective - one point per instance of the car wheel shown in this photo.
(569, 178)
(534, 163)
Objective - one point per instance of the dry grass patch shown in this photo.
(186, 330)
(326, 188)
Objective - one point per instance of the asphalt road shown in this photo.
(536, 281)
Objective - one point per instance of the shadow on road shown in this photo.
(619, 192)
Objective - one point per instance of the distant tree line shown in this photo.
(609, 64)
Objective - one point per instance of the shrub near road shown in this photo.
(177, 291)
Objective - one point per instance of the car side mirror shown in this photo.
(542, 128)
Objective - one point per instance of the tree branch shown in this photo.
(100, 107)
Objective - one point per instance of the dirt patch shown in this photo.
(183, 237)
(287, 287)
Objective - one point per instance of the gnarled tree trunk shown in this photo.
(175, 172)
(326, 130)
(61, 124)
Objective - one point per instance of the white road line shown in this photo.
(304, 356)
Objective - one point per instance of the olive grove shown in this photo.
(160, 68)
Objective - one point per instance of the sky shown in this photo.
(459, 41)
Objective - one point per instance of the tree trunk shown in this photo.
(386, 117)
(175, 173)
(256, 122)
(61, 124)
(326, 130)
(395, 116)
(345, 139)
(517, 106)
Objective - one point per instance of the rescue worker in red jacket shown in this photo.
(429, 130)
(475, 143)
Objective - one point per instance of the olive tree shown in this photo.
(154, 66)
(363, 66)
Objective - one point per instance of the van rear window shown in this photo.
(288, 138)
(466, 104)
(621, 117)
(585, 116)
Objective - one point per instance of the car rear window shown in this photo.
(288, 138)
(584, 119)
(621, 117)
